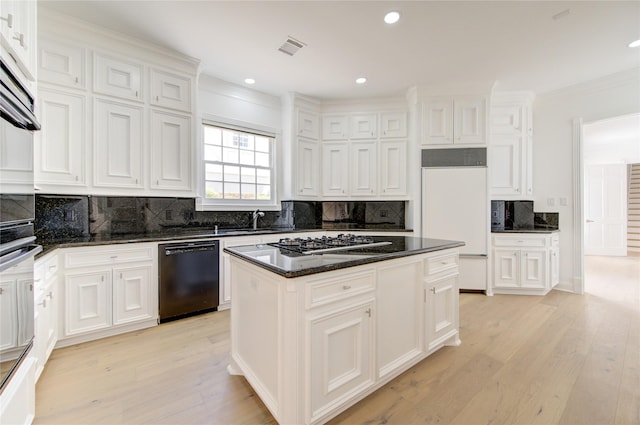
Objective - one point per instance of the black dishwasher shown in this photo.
(189, 279)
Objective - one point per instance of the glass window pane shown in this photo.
(231, 191)
(213, 172)
(262, 144)
(264, 176)
(246, 157)
(248, 175)
(213, 190)
(230, 155)
(248, 191)
(262, 159)
(264, 192)
(230, 138)
(212, 135)
(212, 153)
(231, 173)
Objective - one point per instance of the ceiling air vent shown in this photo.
(291, 46)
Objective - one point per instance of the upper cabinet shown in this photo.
(170, 90)
(511, 147)
(113, 124)
(61, 63)
(18, 34)
(335, 127)
(118, 77)
(308, 125)
(454, 120)
(393, 125)
(363, 126)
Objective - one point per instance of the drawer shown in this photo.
(88, 257)
(328, 290)
(517, 242)
(50, 267)
(441, 263)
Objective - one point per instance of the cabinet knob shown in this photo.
(8, 19)
(43, 303)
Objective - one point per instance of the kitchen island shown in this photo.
(314, 332)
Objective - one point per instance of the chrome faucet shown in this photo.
(254, 217)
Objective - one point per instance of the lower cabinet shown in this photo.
(46, 310)
(314, 345)
(108, 290)
(525, 263)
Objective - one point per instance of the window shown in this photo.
(238, 167)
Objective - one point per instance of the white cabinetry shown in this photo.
(169, 90)
(342, 328)
(170, 151)
(363, 126)
(335, 127)
(335, 169)
(393, 125)
(308, 155)
(18, 34)
(525, 263)
(455, 120)
(118, 77)
(61, 63)
(118, 147)
(108, 290)
(46, 309)
(60, 157)
(364, 164)
(393, 168)
(511, 147)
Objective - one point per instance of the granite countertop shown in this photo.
(291, 264)
(178, 234)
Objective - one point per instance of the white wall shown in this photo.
(554, 112)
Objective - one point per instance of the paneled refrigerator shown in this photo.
(455, 205)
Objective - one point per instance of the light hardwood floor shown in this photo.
(558, 359)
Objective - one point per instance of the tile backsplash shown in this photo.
(61, 217)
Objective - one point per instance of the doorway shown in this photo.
(610, 147)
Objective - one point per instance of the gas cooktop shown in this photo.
(341, 242)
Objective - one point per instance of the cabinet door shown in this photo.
(335, 175)
(335, 127)
(18, 34)
(87, 302)
(363, 126)
(437, 121)
(507, 120)
(117, 144)
(441, 310)
(341, 357)
(16, 160)
(393, 168)
(469, 121)
(308, 168)
(170, 90)
(132, 294)
(533, 269)
(401, 333)
(308, 125)
(393, 125)
(505, 163)
(61, 63)
(117, 77)
(51, 316)
(554, 266)
(9, 309)
(506, 264)
(363, 168)
(170, 151)
(60, 145)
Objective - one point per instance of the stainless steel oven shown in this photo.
(17, 210)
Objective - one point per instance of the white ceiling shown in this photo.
(517, 45)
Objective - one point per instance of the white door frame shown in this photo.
(578, 207)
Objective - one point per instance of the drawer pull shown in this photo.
(50, 295)
(444, 263)
(345, 287)
(43, 303)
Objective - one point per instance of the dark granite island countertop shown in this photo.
(291, 264)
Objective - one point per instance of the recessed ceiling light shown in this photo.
(249, 81)
(392, 17)
(361, 80)
(635, 43)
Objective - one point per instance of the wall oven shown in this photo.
(17, 211)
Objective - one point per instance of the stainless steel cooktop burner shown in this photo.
(327, 244)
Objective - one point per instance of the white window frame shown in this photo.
(205, 204)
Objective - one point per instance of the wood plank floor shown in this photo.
(559, 359)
